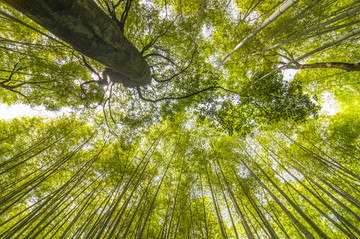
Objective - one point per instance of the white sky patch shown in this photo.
(207, 31)
(289, 74)
(20, 110)
(253, 18)
(233, 11)
(330, 105)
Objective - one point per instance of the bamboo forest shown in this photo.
(180, 119)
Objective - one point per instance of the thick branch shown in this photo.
(338, 65)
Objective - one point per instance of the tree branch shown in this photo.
(153, 41)
(104, 112)
(182, 97)
(164, 57)
(86, 83)
(125, 15)
(13, 72)
(118, 3)
(86, 64)
(338, 65)
(177, 74)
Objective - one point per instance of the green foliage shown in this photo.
(261, 104)
(256, 158)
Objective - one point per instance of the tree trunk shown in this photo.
(338, 65)
(83, 25)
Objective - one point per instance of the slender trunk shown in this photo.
(232, 197)
(275, 15)
(275, 217)
(203, 203)
(217, 210)
(338, 167)
(227, 206)
(339, 191)
(298, 169)
(341, 218)
(298, 209)
(118, 217)
(308, 200)
(257, 209)
(153, 201)
(286, 211)
(138, 205)
(114, 205)
(191, 217)
(174, 204)
(179, 219)
(64, 198)
(83, 25)
(199, 16)
(293, 19)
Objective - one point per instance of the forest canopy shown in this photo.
(186, 119)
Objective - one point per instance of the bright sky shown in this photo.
(330, 105)
(19, 110)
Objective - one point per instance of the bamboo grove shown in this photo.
(71, 181)
(222, 143)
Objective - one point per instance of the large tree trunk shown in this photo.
(83, 25)
(338, 65)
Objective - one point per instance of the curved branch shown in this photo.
(86, 64)
(32, 28)
(110, 112)
(112, 12)
(104, 112)
(153, 41)
(86, 83)
(177, 74)
(164, 57)
(118, 3)
(101, 100)
(182, 97)
(125, 15)
(11, 88)
(21, 73)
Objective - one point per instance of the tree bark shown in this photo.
(83, 25)
(338, 65)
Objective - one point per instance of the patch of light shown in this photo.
(147, 3)
(207, 31)
(233, 11)
(330, 105)
(20, 110)
(213, 60)
(289, 74)
(253, 18)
